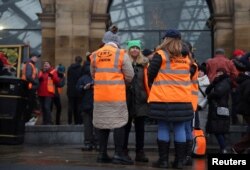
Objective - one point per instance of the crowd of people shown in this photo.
(166, 86)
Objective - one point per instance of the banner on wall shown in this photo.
(13, 56)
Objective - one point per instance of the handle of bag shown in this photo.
(201, 91)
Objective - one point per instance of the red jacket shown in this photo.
(220, 61)
(43, 80)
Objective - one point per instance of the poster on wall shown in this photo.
(11, 57)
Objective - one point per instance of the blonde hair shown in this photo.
(141, 59)
(172, 45)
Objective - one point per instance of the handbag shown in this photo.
(222, 111)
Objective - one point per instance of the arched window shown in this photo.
(147, 20)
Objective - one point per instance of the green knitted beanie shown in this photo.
(134, 43)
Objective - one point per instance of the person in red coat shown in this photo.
(48, 78)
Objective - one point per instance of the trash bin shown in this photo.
(13, 104)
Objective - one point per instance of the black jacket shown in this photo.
(87, 94)
(218, 95)
(73, 74)
(244, 90)
(136, 93)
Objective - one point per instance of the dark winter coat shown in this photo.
(87, 94)
(173, 112)
(244, 90)
(218, 95)
(136, 92)
(73, 74)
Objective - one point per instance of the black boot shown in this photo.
(163, 150)
(120, 157)
(179, 155)
(188, 161)
(140, 156)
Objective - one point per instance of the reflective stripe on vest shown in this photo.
(194, 88)
(172, 83)
(109, 85)
(33, 76)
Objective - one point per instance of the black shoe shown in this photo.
(160, 164)
(188, 161)
(87, 147)
(121, 159)
(103, 158)
(141, 157)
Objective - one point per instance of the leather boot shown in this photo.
(140, 156)
(163, 150)
(179, 155)
(121, 158)
(188, 161)
(126, 153)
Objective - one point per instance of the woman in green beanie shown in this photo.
(137, 100)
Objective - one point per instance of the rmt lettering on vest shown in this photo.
(217, 161)
(104, 56)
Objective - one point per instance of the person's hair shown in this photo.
(78, 59)
(172, 45)
(220, 51)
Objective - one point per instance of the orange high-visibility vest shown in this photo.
(60, 89)
(109, 85)
(195, 88)
(50, 85)
(34, 73)
(172, 83)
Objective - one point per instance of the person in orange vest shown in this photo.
(111, 70)
(58, 91)
(137, 100)
(30, 74)
(170, 97)
(48, 78)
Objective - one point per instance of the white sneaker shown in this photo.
(31, 122)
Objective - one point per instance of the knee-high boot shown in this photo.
(188, 153)
(179, 154)
(163, 150)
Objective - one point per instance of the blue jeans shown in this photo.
(188, 129)
(164, 131)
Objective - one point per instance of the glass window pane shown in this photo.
(147, 20)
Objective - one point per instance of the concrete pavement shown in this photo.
(70, 157)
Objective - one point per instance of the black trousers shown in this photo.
(91, 134)
(73, 110)
(57, 103)
(139, 123)
(33, 104)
